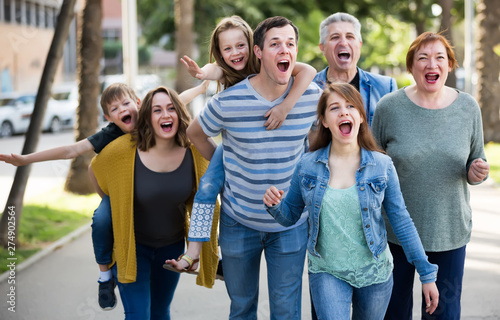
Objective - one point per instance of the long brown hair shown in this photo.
(323, 136)
(231, 76)
(144, 134)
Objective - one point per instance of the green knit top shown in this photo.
(342, 243)
(432, 150)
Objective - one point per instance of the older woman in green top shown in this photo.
(434, 135)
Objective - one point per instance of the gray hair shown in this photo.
(338, 17)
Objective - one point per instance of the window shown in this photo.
(29, 13)
(18, 9)
(55, 14)
(48, 17)
(6, 10)
(40, 18)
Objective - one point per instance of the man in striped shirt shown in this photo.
(255, 158)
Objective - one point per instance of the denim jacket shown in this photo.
(377, 184)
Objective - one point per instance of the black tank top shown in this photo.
(159, 202)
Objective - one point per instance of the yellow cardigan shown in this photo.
(114, 170)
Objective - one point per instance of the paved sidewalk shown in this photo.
(62, 284)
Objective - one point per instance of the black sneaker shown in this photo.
(107, 297)
(219, 274)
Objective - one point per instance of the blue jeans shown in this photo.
(333, 297)
(149, 297)
(102, 232)
(204, 201)
(449, 283)
(213, 180)
(284, 251)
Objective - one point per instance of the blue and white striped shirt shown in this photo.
(255, 158)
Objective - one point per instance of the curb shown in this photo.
(46, 251)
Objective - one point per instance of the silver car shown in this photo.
(16, 110)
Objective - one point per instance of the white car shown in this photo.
(16, 110)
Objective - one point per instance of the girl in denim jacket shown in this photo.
(344, 183)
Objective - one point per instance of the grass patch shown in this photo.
(492, 151)
(47, 218)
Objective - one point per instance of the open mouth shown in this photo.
(431, 77)
(236, 61)
(344, 55)
(127, 119)
(345, 127)
(283, 65)
(166, 126)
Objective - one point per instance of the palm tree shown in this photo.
(488, 67)
(89, 56)
(446, 27)
(184, 24)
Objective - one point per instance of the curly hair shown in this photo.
(144, 134)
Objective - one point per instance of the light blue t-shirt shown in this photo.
(342, 243)
(255, 158)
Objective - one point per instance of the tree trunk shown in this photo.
(14, 206)
(446, 26)
(488, 67)
(89, 56)
(421, 18)
(184, 24)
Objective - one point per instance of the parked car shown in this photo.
(67, 94)
(67, 97)
(16, 110)
(14, 117)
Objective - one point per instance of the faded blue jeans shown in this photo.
(333, 297)
(204, 201)
(284, 251)
(102, 232)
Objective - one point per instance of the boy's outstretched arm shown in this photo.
(65, 152)
(188, 95)
(210, 71)
(304, 75)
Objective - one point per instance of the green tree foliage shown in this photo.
(112, 49)
(157, 17)
(385, 24)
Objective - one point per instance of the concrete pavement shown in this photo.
(62, 284)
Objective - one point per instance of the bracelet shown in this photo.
(188, 259)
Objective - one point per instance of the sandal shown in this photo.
(191, 262)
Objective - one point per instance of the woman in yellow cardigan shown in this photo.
(151, 177)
